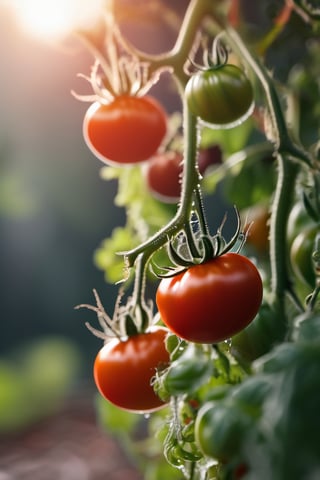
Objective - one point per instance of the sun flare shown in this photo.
(56, 18)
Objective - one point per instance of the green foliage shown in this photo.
(231, 140)
(140, 437)
(247, 407)
(106, 258)
(115, 420)
(35, 380)
(144, 216)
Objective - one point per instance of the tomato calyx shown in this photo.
(127, 320)
(194, 245)
(213, 58)
(117, 70)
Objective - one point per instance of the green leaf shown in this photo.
(145, 216)
(253, 183)
(115, 420)
(36, 380)
(231, 140)
(106, 256)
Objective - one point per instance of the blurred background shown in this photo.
(54, 212)
(54, 207)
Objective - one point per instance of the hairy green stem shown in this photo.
(285, 149)
(281, 206)
(139, 279)
(175, 59)
(201, 212)
(279, 130)
(189, 183)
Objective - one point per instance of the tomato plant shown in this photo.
(211, 302)
(123, 370)
(221, 95)
(127, 130)
(243, 332)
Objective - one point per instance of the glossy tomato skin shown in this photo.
(163, 176)
(220, 96)
(127, 130)
(123, 370)
(211, 302)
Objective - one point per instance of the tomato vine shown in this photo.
(232, 314)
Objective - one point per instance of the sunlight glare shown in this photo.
(57, 18)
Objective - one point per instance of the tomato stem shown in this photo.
(281, 205)
(141, 312)
(201, 212)
(174, 60)
(191, 243)
(281, 138)
(189, 183)
(192, 470)
(289, 155)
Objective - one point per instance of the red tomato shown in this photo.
(210, 302)
(163, 172)
(123, 370)
(163, 176)
(127, 130)
(209, 157)
(258, 233)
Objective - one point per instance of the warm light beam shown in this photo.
(56, 18)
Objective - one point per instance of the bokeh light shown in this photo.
(56, 18)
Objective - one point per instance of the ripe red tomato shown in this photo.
(123, 370)
(163, 172)
(209, 157)
(127, 130)
(211, 302)
(163, 176)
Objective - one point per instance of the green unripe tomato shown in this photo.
(221, 96)
(298, 221)
(301, 255)
(257, 339)
(220, 430)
